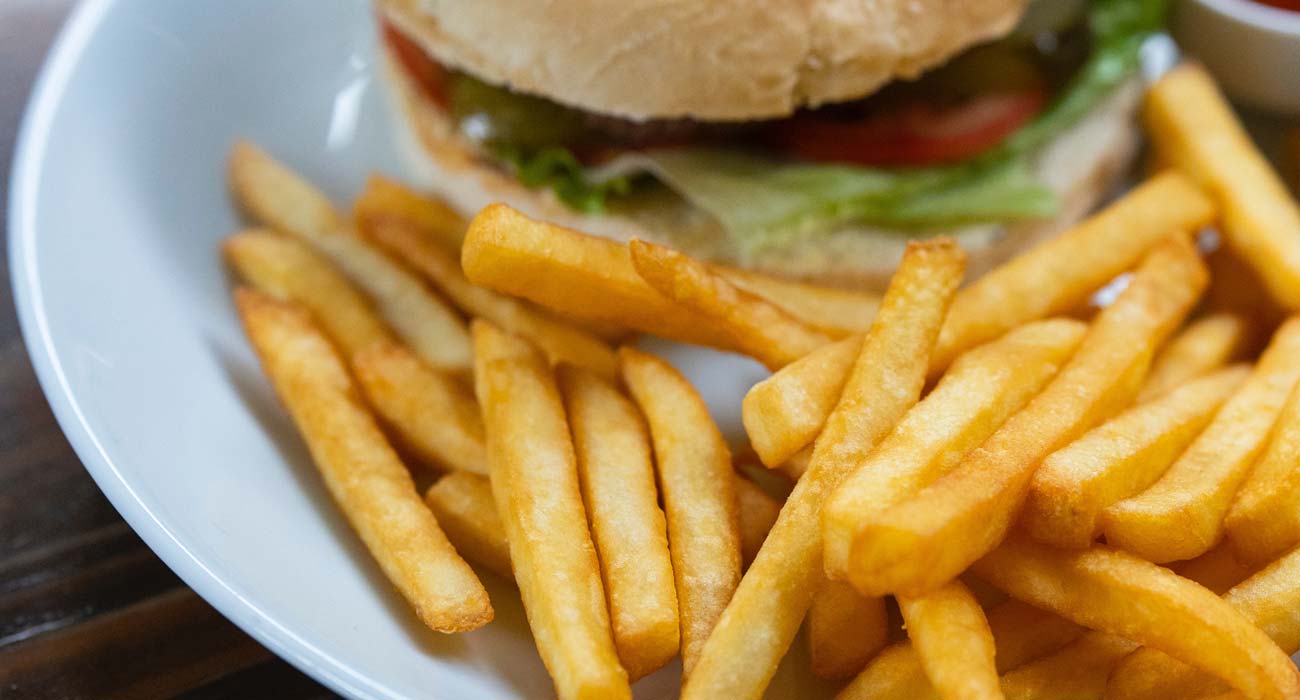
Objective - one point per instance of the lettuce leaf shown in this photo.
(557, 169)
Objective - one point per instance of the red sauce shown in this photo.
(1292, 5)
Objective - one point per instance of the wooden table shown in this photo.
(86, 610)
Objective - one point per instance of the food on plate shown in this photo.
(1195, 129)
(1218, 569)
(362, 472)
(1077, 671)
(561, 341)
(433, 414)
(1204, 345)
(1021, 634)
(617, 477)
(845, 630)
(467, 512)
(1270, 599)
(764, 615)
(758, 512)
(290, 270)
(697, 486)
(758, 328)
(953, 641)
(1118, 593)
(837, 312)
(784, 413)
(387, 202)
(930, 538)
(1181, 515)
(278, 197)
(777, 138)
(1059, 275)
(534, 477)
(981, 390)
(1120, 458)
(1265, 517)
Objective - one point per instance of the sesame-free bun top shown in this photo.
(704, 59)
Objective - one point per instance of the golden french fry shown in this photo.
(366, 478)
(764, 615)
(953, 641)
(463, 504)
(534, 476)
(1270, 599)
(574, 274)
(1077, 672)
(1062, 272)
(618, 487)
(290, 270)
(784, 413)
(560, 341)
(845, 630)
(927, 540)
(1193, 125)
(433, 414)
(1218, 569)
(1264, 520)
(1236, 288)
(1181, 515)
(385, 202)
(1120, 458)
(1021, 634)
(1115, 592)
(795, 467)
(758, 512)
(281, 198)
(758, 328)
(838, 312)
(698, 487)
(981, 390)
(1204, 345)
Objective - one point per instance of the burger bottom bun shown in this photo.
(1082, 165)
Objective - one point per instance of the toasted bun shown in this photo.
(709, 60)
(1081, 165)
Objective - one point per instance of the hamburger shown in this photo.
(804, 138)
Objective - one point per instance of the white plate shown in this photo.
(118, 204)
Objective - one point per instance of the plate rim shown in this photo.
(30, 147)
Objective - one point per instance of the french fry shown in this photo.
(280, 198)
(838, 312)
(387, 202)
(758, 512)
(925, 541)
(1181, 515)
(697, 483)
(845, 630)
(1120, 458)
(795, 467)
(981, 390)
(463, 504)
(1269, 599)
(1115, 592)
(758, 328)
(1218, 569)
(1193, 125)
(1264, 520)
(1077, 672)
(560, 341)
(618, 487)
(1206, 344)
(1236, 288)
(1061, 273)
(534, 478)
(574, 274)
(290, 270)
(1021, 634)
(953, 641)
(366, 478)
(764, 615)
(432, 414)
(784, 413)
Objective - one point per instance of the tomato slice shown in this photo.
(432, 78)
(915, 133)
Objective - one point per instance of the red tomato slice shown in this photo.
(912, 134)
(424, 71)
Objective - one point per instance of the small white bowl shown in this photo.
(1252, 49)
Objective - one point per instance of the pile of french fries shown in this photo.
(1060, 501)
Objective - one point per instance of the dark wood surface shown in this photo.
(86, 610)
